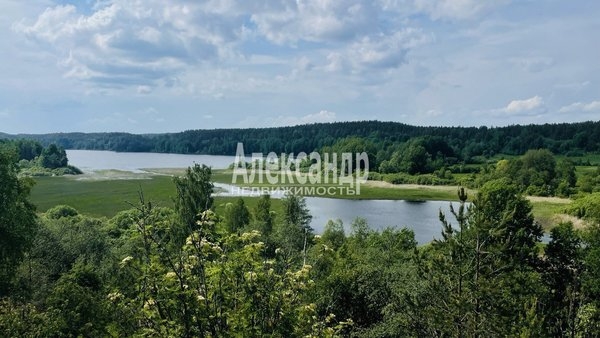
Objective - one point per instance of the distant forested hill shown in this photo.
(467, 142)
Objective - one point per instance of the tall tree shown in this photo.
(295, 233)
(561, 275)
(237, 215)
(263, 215)
(17, 217)
(194, 191)
(480, 278)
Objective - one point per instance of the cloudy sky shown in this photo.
(161, 66)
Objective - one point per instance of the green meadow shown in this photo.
(101, 197)
(113, 192)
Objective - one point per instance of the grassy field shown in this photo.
(101, 197)
(549, 211)
(114, 192)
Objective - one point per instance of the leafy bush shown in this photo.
(60, 211)
(586, 207)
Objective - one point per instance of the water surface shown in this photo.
(94, 160)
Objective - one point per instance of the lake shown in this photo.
(94, 160)
(421, 217)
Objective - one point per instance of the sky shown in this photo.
(151, 66)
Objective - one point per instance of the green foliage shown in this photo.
(76, 304)
(590, 280)
(60, 211)
(587, 207)
(504, 217)
(536, 173)
(236, 216)
(29, 149)
(353, 145)
(263, 215)
(53, 157)
(333, 234)
(425, 179)
(213, 286)
(35, 160)
(193, 193)
(18, 222)
(564, 255)
(24, 320)
(360, 279)
(148, 272)
(294, 234)
(590, 181)
(35, 170)
(480, 279)
(419, 156)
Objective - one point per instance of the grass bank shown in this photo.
(369, 190)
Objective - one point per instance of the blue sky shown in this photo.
(162, 66)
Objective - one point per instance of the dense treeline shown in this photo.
(36, 160)
(205, 270)
(465, 142)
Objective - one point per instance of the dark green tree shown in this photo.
(237, 216)
(263, 215)
(18, 222)
(588, 316)
(561, 275)
(53, 157)
(194, 191)
(333, 234)
(414, 159)
(504, 219)
(294, 233)
(480, 279)
(29, 149)
(76, 304)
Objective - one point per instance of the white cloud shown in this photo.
(318, 21)
(456, 9)
(123, 43)
(574, 85)
(144, 90)
(434, 113)
(126, 43)
(275, 58)
(533, 64)
(376, 52)
(533, 106)
(576, 107)
(322, 116)
(521, 106)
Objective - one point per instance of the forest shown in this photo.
(187, 271)
(466, 143)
